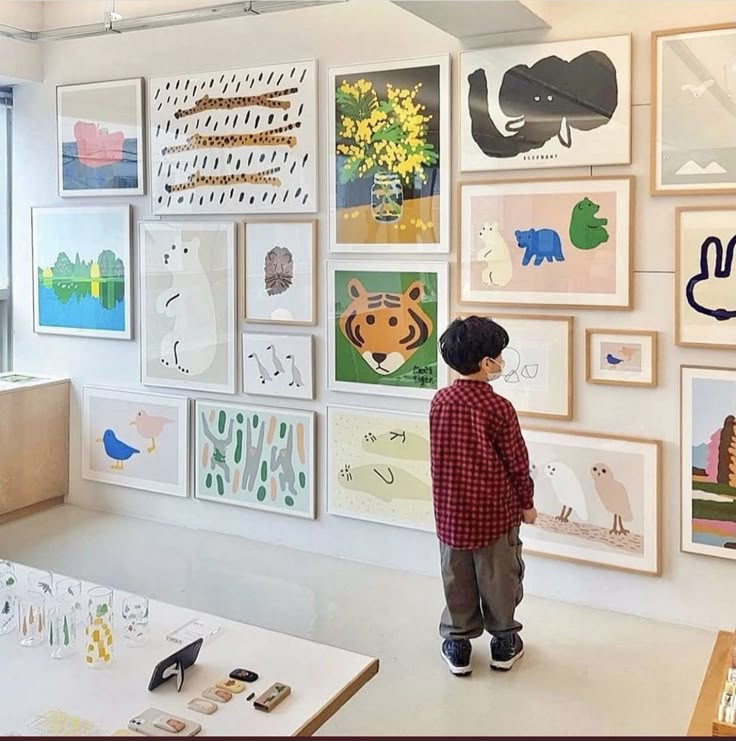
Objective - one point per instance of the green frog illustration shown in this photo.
(587, 231)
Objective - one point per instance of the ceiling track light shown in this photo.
(116, 23)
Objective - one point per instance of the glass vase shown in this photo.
(98, 629)
(387, 197)
(135, 621)
(8, 597)
(62, 623)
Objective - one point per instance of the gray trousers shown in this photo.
(482, 588)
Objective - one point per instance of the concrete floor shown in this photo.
(585, 671)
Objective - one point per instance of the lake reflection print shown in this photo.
(81, 261)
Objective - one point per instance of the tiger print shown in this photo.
(386, 329)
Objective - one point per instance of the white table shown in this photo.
(322, 678)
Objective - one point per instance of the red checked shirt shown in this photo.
(480, 465)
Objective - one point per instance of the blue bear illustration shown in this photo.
(541, 244)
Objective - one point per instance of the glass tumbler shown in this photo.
(8, 597)
(32, 619)
(62, 624)
(68, 591)
(135, 620)
(98, 629)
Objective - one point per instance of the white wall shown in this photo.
(693, 589)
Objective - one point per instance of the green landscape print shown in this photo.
(81, 258)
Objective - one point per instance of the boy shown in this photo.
(482, 492)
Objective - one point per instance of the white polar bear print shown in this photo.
(191, 346)
(568, 490)
(495, 252)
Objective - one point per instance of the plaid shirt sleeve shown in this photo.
(513, 452)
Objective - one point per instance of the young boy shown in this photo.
(482, 492)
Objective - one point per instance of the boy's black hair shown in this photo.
(467, 341)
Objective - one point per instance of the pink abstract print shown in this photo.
(96, 147)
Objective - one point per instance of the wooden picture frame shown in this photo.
(708, 524)
(489, 255)
(310, 319)
(695, 86)
(634, 369)
(512, 384)
(712, 239)
(607, 491)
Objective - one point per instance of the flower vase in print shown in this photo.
(8, 586)
(98, 631)
(387, 197)
(387, 148)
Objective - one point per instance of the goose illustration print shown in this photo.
(278, 365)
(546, 105)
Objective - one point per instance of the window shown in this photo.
(6, 100)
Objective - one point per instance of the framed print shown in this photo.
(378, 467)
(136, 440)
(537, 375)
(235, 141)
(188, 315)
(705, 275)
(384, 323)
(547, 243)
(708, 456)
(279, 272)
(620, 357)
(390, 156)
(82, 271)
(99, 134)
(693, 111)
(559, 104)
(597, 498)
(278, 365)
(255, 457)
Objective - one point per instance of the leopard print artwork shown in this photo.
(197, 180)
(278, 271)
(266, 100)
(264, 138)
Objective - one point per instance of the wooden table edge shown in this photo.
(706, 708)
(338, 700)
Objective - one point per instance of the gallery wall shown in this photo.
(363, 33)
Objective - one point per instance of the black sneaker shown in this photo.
(505, 652)
(457, 656)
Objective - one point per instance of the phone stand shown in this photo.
(175, 670)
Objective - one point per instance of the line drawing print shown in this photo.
(715, 282)
(516, 369)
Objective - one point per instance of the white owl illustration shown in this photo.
(568, 490)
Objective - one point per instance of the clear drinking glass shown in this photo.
(135, 620)
(32, 619)
(8, 597)
(68, 591)
(98, 630)
(41, 582)
(62, 624)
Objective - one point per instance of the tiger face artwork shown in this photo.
(386, 329)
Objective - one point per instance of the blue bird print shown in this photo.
(613, 360)
(117, 450)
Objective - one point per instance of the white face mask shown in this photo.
(495, 375)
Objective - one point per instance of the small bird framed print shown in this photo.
(140, 441)
(618, 357)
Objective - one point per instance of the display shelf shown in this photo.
(704, 719)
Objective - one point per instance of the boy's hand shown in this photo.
(529, 516)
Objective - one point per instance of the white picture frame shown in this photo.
(521, 109)
(104, 120)
(262, 121)
(289, 471)
(423, 226)
(278, 365)
(161, 423)
(189, 335)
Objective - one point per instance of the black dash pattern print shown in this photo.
(242, 141)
